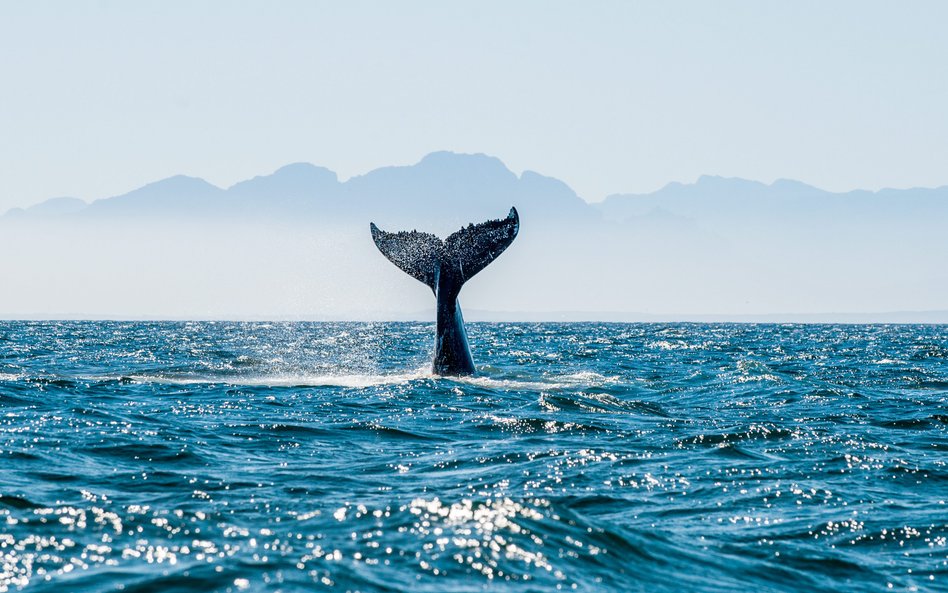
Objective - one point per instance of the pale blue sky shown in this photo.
(101, 97)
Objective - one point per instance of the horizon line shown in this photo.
(924, 317)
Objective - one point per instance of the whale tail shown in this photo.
(427, 258)
(445, 266)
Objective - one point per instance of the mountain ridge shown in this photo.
(466, 182)
(298, 240)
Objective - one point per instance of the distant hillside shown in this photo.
(447, 189)
(723, 200)
(49, 209)
(295, 244)
(443, 187)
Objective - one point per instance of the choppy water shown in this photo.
(593, 457)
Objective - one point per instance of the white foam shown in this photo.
(504, 384)
(328, 380)
(364, 380)
(585, 378)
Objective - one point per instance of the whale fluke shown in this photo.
(445, 266)
(476, 245)
(416, 254)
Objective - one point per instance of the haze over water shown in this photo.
(593, 457)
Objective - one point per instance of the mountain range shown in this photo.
(455, 188)
(443, 186)
(295, 244)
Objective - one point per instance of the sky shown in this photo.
(99, 98)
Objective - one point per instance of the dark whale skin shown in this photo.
(445, 266)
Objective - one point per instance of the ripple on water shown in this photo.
(595, 457)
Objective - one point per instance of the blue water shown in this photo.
(591, 457)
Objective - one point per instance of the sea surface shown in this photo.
(219, 456)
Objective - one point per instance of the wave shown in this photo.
(297, 457)
(359, 380)
(355, 381)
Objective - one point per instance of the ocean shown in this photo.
(225, 456)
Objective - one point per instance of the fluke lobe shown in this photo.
(445, 266)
